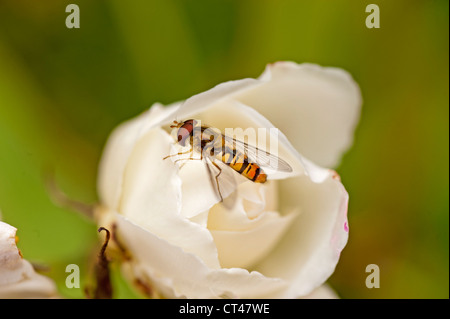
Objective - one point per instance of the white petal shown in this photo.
(202, 101)
(198, 194)
(243, 215)
(308, 253)
(243, 248)
(17, 276)
(151, 197)
(10, 260)
(180, 274)
(248, 231)
(317, 108)
(118, 148)
(32, 285)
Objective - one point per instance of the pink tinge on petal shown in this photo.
(310, 250)
(339, 238)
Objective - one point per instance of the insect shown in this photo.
(217, 149)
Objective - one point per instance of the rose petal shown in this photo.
(179, 274)
(17, 276)
(259, 240)
(249, 221)
(198, 194)
(32, 285)
(317, 108)
(308, 253)
(151, 197)
(202, 101)
(11, 265)
(246, 210)
(118, 148)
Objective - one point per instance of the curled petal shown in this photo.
(202, 101)
(178, 274)
(316, 107)
(118, 149)
(151, 197)
(308, 253)
(259, 240)
(246, 233)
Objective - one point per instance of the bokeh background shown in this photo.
(63, 90)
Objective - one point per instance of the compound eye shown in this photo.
(183, 134)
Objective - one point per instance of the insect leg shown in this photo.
(217, 180)
(188, 159)
(180, 153)
(191, 158)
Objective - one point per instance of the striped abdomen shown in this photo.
(240, 163)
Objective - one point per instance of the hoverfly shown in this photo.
(216, 149)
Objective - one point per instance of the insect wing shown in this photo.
(258, 156)
(222, 181)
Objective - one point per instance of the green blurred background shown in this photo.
(63, 90)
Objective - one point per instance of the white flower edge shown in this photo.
(17, 276)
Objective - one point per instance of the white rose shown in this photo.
(283, 238)
(17, 276)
